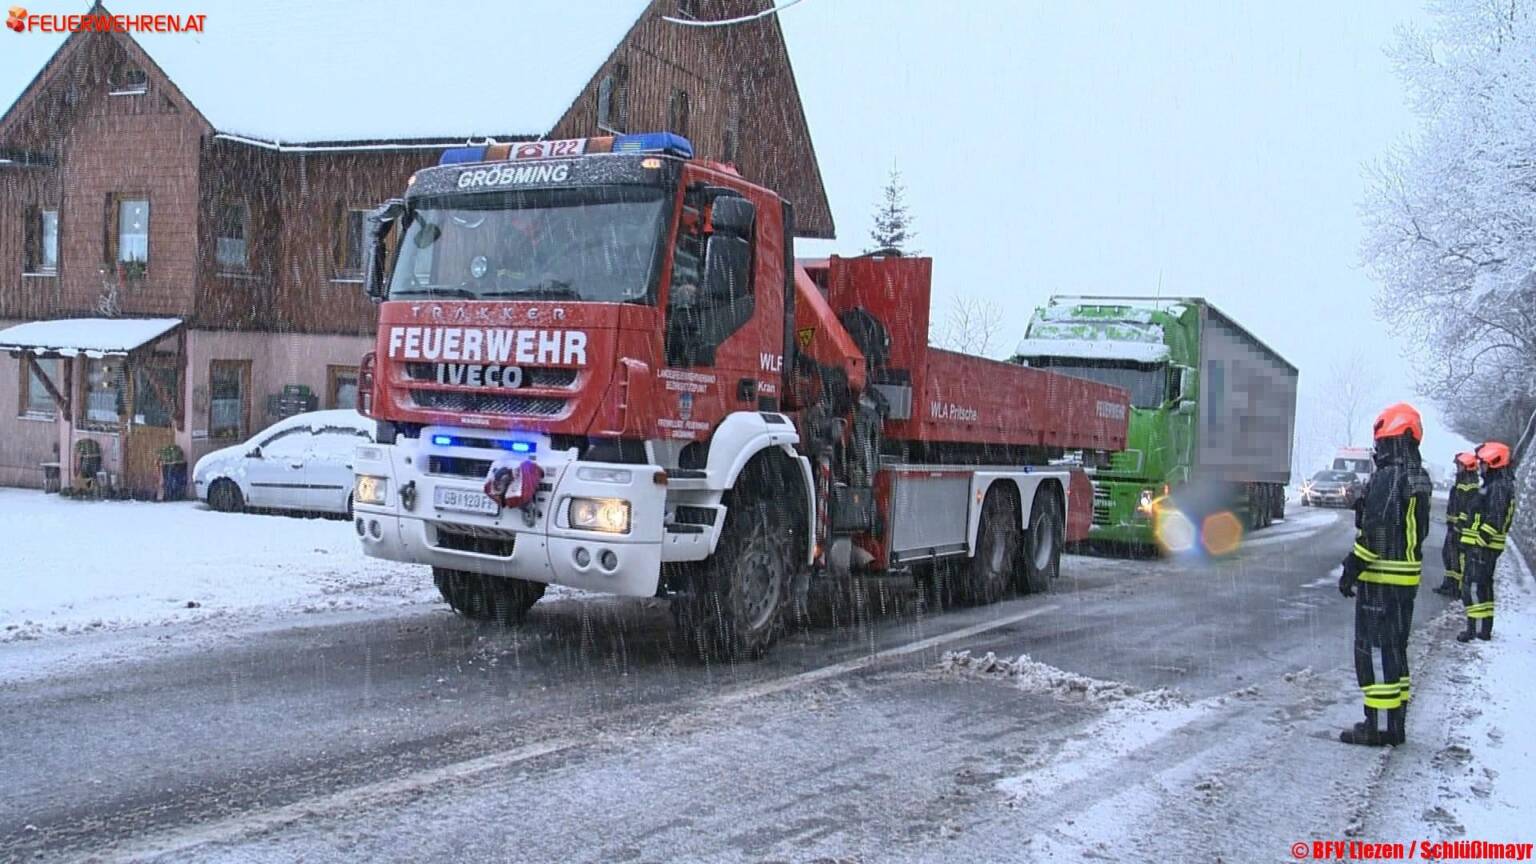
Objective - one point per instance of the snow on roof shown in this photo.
(1094, 349)
(295, 71)
(1137, 311)
(93, 337)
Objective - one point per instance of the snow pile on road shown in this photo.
(1036, 677)
(89, 566)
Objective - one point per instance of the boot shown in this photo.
(1468, 634)
(1397, 727)
(1485, 629)
(1363, 733)
(1448, 588)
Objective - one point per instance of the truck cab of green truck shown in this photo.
(1212, 408)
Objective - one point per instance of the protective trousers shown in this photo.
(1383, 617)
(1453, 557)
(1477, 591)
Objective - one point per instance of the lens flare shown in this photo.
(1221, 533)
(1174, 532)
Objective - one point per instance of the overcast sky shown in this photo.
(1102, 147)
(1097, 147)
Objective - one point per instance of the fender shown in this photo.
(1025, 481)
(743, 435)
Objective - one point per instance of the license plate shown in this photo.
(463, 500)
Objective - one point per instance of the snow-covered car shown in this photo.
(302, 463)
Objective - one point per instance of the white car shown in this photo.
(301, 463)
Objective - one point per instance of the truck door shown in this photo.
(724, 310)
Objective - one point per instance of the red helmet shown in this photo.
(1466, 461)
(1396, 419)
(1493, 454)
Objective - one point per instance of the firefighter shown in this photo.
(1483, 536)
(1453, 556)
(1382, 573)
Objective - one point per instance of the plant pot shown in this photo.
(173, 481)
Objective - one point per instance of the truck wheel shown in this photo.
(487, 598)
(738, 603)
(1042, 543)
(990, 570)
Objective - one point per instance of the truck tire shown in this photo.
(487, 598)
(739, 602)
(1041, 555)
(990, 572)
(1277, 495)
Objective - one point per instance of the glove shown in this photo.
(1350, 576)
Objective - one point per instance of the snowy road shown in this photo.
(583, 737)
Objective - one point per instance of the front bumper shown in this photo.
(534, 543)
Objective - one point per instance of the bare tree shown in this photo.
(971, 326)
(1351, 395)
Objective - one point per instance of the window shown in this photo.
(349, 250)
(677, 113)
(228, 390)
(36, 401)
(132, 230)
(731, 139)
(232, 225)
(154, 395)
(104, 384)
(613, 100)
(127, 80)
(42, 242)
(342, 387)
(711, 293)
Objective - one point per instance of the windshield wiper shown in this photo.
(550, 290)
(445, 290)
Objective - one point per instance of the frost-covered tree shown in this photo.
(1451, 214)
(971, 326)
(892, 230)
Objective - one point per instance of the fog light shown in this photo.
(608, 561)
(582, 556)
(609, 515)
(375, 528)
(360, 527)
(370, 489)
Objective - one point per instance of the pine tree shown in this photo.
(893, 222)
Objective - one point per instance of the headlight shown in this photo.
(1146, 501)
(370, 489)
(610, 515)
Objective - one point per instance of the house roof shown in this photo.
(93, 337)
(296, 72)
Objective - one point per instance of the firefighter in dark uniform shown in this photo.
(1456, 516)
(1484, 536)
(1382, 573)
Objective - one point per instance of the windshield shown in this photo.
(1148, 385)
(1359, 466)
(1333, 477)
(600, 244)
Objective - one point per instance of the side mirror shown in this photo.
(1187, 406)
(254, 454)
(1186, 384)
(732, 216)
(379, 223)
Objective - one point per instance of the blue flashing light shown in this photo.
(654, 142)
(462, 155)
(522, 447)
(514, 446)
(442, 440)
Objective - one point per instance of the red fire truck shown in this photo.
(600, 365)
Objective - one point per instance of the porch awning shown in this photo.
(92, 337)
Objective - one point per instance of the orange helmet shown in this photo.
(1398, 418)
(1493, 454)
(1466, 461)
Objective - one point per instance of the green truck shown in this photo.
(1213, 409)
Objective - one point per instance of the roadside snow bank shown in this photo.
(89, 566)
(1469, 769)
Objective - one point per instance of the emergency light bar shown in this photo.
(664, 143)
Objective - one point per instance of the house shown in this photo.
(181, 214)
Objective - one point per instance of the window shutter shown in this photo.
(109, 233)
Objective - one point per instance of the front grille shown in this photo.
(475, 539)
(533, 376)
(453, 466)
(488, 403)
(1102, 503)
(1125, 462)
